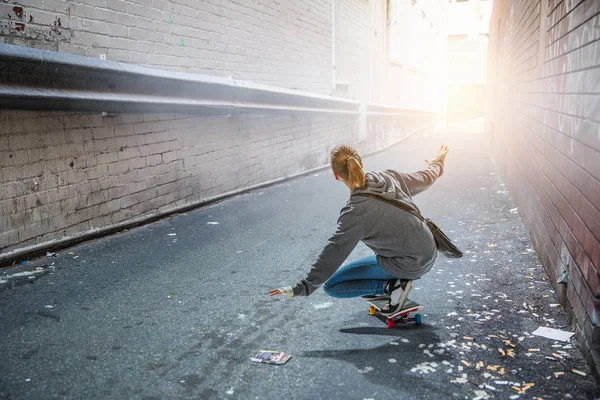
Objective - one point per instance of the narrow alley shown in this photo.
(170, 170)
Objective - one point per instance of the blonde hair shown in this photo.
(346, 162)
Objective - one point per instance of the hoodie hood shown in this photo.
(389, 186)
(382, 184)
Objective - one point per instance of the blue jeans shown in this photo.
(358, 278)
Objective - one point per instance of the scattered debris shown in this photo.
(481, 395)
(554, 334)
(270, 357)
(425, 368)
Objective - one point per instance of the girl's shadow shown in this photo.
(390, 364)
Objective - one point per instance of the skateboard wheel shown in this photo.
(372, 310)
(418, 319)
(390, 323)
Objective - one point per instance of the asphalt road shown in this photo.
(175, 309)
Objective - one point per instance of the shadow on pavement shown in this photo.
(398, 331)
(390, 364)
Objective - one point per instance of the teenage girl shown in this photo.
(404, 246)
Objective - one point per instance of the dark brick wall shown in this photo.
(544, 114)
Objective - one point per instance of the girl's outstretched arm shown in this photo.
(416, 182)
(347, 235)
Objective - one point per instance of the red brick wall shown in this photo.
(544, 114)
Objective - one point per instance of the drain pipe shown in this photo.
(362, 119)
(333, 85)
(371, 50)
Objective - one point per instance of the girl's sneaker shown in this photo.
(398, 290)
(391, 310)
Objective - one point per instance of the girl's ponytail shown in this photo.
(356, 175)
(346, 162)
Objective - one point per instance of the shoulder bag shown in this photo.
(444, 245)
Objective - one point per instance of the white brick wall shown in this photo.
(353, 33)
(286, 44)
(67, 173)
(362, 29)
(60, 179)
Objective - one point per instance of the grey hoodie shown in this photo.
(403, 244)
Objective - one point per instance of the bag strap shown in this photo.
(392, 202)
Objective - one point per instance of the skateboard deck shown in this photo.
(401, 316)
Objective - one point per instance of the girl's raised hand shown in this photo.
(440, 155)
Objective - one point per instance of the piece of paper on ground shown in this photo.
(554, 334)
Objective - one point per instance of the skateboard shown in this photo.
(401, 316)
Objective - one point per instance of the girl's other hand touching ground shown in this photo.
(287, 290)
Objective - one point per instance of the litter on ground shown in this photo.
(554, 334)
